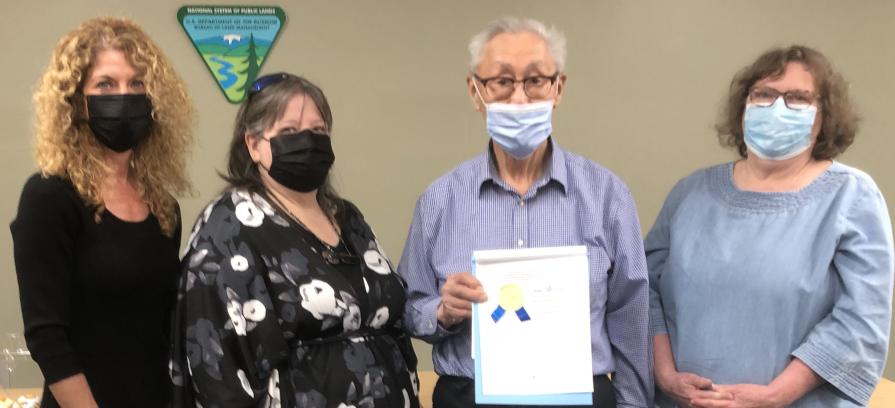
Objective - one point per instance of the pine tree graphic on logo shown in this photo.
(233, 41)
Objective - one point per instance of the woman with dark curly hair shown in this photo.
(771, 277)
(97, 230)
(286, 297)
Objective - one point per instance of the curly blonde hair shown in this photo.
(66, 146)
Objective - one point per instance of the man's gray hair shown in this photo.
(555, 39)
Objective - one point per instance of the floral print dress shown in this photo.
(263, 321)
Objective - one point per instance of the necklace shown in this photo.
(330, 254)
(333, 256)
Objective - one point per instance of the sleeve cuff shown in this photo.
(59, 367)
(837, 372)
(428, 327)
(657, 323)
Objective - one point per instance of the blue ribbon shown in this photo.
(497, 313)
(500, 311)
(522, 314)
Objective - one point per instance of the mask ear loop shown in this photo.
(477, 92)
(80, 108)
(556, 87)
(258, 163)
(86, 107)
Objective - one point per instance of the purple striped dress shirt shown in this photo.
(576, 202)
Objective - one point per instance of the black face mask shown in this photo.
(120, 122)
(301, 161)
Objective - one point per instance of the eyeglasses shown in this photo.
(501, 88)
(265, 81)
(795, 100)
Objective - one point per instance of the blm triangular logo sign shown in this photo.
(233, 41)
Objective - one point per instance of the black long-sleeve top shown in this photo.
(96, 297)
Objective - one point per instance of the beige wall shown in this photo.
(645, 82)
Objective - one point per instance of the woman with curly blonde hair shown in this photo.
(97, 230)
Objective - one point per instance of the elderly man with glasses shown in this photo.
(525, 191)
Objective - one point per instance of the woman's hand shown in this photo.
(795, 381)
(684, 388)
(681, 387)
(744, 396)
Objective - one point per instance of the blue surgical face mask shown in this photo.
(518, 128)
(777, 132)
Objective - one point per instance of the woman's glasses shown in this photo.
(795, 100)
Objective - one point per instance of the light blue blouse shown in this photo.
(743, 281)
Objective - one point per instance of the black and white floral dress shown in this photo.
(263, 321)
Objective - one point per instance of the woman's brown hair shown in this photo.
(260, 110)
(839, 119)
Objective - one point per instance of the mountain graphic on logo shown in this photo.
(233, 41)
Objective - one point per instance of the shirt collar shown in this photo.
(554, 171)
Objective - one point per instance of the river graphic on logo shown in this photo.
(233, 41)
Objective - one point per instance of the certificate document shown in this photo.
(531, 339)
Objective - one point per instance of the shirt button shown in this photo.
(519, 243)
(521, 203)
